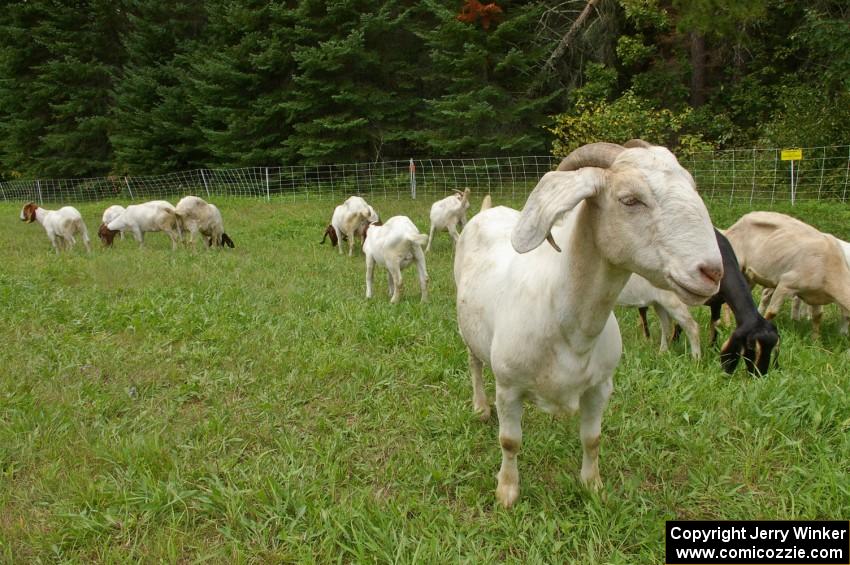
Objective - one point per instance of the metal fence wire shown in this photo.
(737, 175)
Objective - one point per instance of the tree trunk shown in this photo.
(697, 69)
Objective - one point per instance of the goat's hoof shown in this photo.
(483, 413)
(507, 494)
(593, 484)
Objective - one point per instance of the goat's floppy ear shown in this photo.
(556, 193)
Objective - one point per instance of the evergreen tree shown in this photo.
(355, 90)
(480, 72)
(155, 128)
(83, 39)
(24, 110)
(239, 81)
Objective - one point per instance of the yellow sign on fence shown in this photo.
(791, 155)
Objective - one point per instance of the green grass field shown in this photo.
(250, 405)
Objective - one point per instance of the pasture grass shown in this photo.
(250, 405)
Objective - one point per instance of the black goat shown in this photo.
(754, 337)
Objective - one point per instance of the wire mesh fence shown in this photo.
(738, 175)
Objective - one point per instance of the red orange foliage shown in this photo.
(485, 14)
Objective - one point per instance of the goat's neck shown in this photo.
(737, 294)
(594, 282)
(40, 214)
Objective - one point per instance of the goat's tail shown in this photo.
(487, 203)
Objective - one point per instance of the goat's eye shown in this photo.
(630, 201)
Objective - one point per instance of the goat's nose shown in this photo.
(711, 271)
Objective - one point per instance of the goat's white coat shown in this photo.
(153, 216)
(640, 292)
(447, 213)
(111, 213)
(793, 258)
(395, 245)
(813, 311)
(196, 215)
(350, 219)
(61, 225)
(543, 320)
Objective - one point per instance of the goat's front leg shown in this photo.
(796, 308)
(509, 409)
(817, 316)
(351, 245)
(845, 320)
(715, 320)
(665, 325)
(370, 271)
(766, 295)
(139, 236)
(591, 406)
(777, 298)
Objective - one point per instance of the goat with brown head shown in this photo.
(28, 212)
(107, 235)
(331, 233)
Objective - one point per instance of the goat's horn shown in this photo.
(591, 155)
(636, 143)
(551, 241)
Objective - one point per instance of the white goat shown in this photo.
(640, 292)
(814, 311)
(199, 216)
(395, 245)
(543, 321)
(447, 213)
(790, 256)
(349, 220)
(109, 214)
(61, 225)
(156, 215)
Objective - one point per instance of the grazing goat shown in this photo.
(781, 252)
(543, 320)
(199, 216)
(447, 213)
(395, 245)
(61, 225)
(156, 215)
(641, 293)
(103, 232)
(815, 311)
(754, 338)
(349, 220)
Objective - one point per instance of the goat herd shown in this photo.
(191, 214)
(622, 224)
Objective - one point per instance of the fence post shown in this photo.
(846, 173)
(204, 179)
(268, 193)
(412, 168)
(127, 181)
(38, 188)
